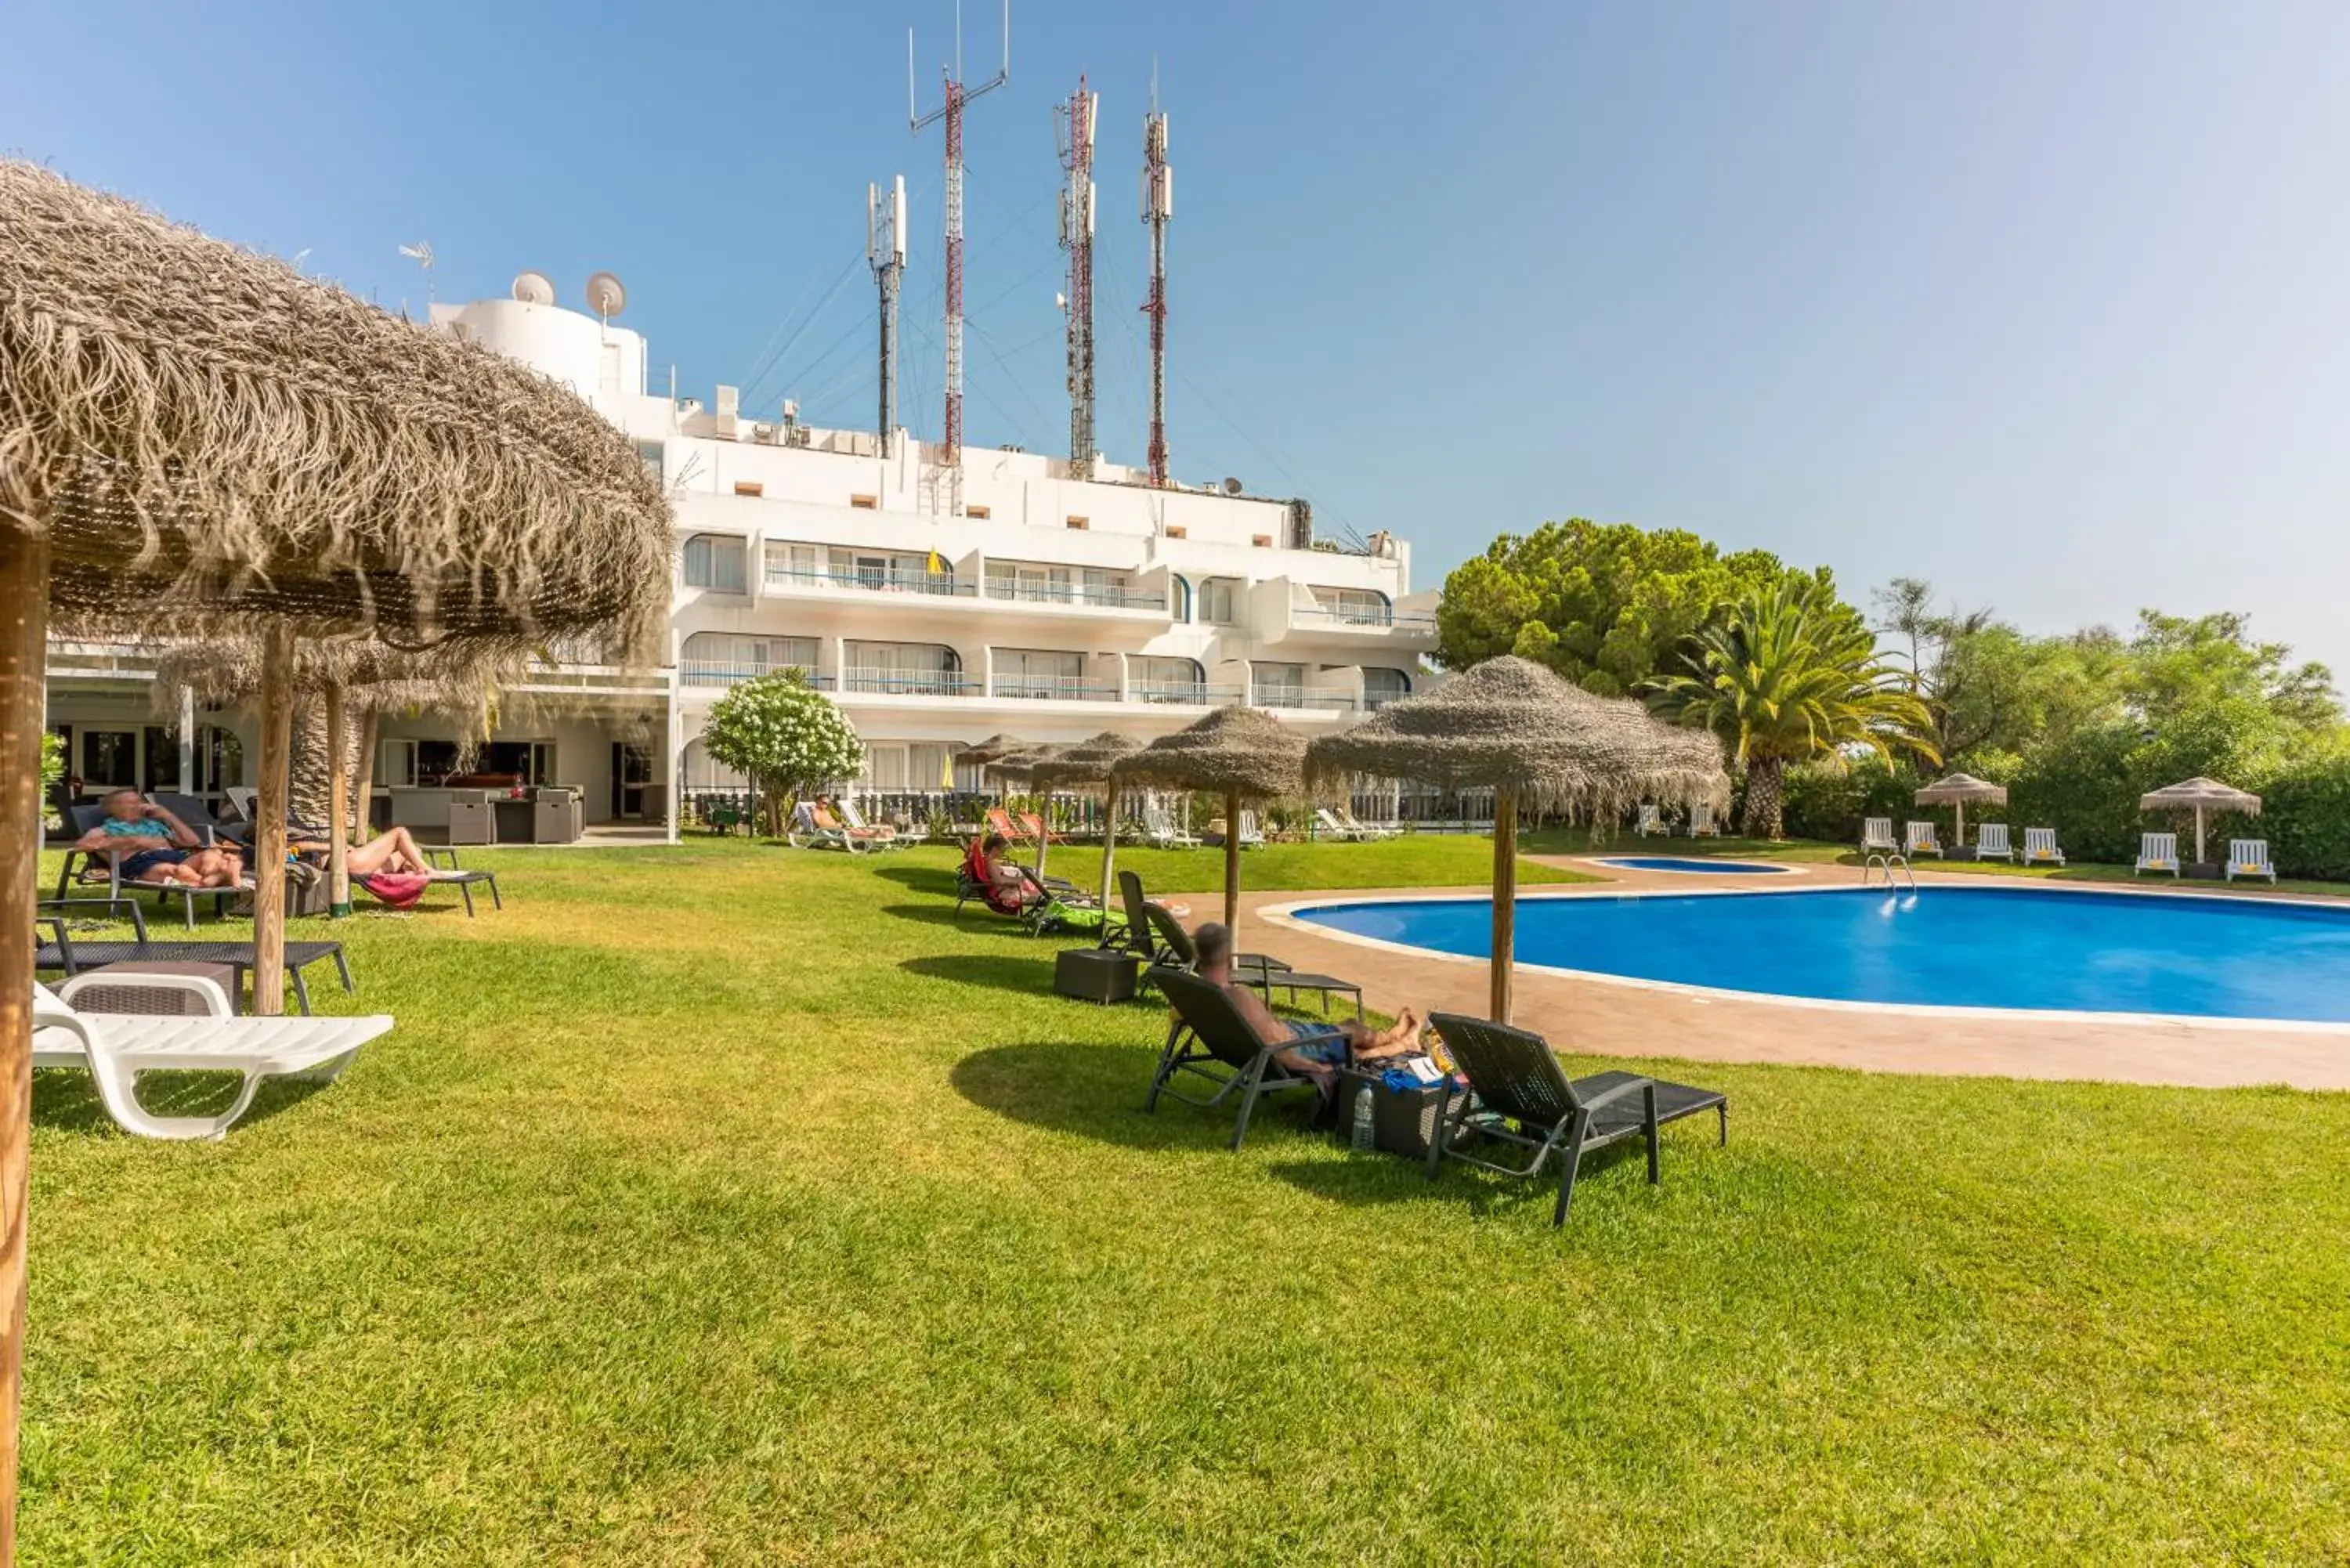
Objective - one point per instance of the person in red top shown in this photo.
(1008, 889)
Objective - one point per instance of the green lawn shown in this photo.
(732, 1204)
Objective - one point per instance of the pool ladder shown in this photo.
(1888, 862)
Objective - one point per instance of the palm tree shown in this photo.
(1791, 676)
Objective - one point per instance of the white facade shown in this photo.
(939, 607)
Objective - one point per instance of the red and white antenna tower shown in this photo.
(1158, 207)
(951, 111)
(1073, 127)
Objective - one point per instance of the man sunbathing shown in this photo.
(156, 848)
(1313, 1049)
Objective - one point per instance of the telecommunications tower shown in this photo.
(1158, 207)
(951, 111)
(885, 252)
(1073, 127)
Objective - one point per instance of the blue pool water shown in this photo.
(1965, 947)
(1693, 865)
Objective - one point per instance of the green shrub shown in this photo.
(1824, 801)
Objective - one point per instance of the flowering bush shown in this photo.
(784, 736)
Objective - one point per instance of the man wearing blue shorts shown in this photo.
(1316, 1049)
(154, 846)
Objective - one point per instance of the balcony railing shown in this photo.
(936, 585)
(1190, 693)
(1375, 701)
(911, 684)
(1370, 617)
(1299, 697)
(1052, 688)
(1102, 598)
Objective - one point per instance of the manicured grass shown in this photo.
(731, 1204)
(1423, 860)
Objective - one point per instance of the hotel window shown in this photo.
(1039, 672)
(794, 563)
(1219, 601)
(1381, 686)
(713, 561)
(109, 759)
(1355, 607)
(1154, 678)
(161, 769)
(904, 667)
(395, 763)
(648, 455)
(1279, 686)
(722, 658)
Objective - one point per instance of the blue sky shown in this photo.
(2045, 303)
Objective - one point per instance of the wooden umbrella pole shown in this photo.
(1043, 829)
(338, 806)
(1109, 844)
(269, 826)
(24, 630)
(1232, 866)
(1505, 897)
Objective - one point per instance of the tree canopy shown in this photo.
(784, 736)
(1611, 607)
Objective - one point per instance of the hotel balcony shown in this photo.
(925, 586)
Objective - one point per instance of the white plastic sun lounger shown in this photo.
(887, 835)
(1652, 820)
(1369, 830)
(2039, 847)
(1158, 827)
(1918, 839)
(1326, 823)
(1701, 822)
(2249, 858)
(1991, 842)
(2157, 852)
(1877, 835)
(1251, 833)
(115, 1048)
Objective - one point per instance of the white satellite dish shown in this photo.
(534, 288)
(606, 297)
(1232, 487)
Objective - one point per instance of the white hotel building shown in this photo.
(1034, 603)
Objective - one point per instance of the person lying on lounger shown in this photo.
(1009, 891)
(156, 848)
(1316, 1049)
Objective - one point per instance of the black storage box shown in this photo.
(1095, 974)
(1403, 1121)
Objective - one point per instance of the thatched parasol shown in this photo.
(354, 682)
(1089, 762)
(1240, 753)
(1956, 790)
(2200, 794)
(1024, 765)
(1513, 727)
(194, 438)
(993, 749)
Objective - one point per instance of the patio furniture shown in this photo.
(1514, 1078)
(2157, 852)
(69, 1030)
(2249, 858)
(1158, 827)
(1258, 972)
(1209, 1040)
(138, 995)
(557, 816)
(1369, 830)
(1325, 821)
(70, 958)
(1918, 839)
(464, 879)
(890, 834)
(2039, 847)
(1652, 821)
(1096, 973)
(1991, 842)
(89, 869)
(1701, 823)
(1877, 836)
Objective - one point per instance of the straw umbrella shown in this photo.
(1026, 766)
(1957, 790)
(2200, 794)
(1534, 739)
(1090, 763)
(195, 439)
(991, 751)
(1240, 753)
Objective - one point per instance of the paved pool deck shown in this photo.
(1616, 1020)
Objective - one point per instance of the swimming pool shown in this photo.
(2182, 955)
(1693, 865)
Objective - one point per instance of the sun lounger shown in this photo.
(2157, 852)
(464, 879)
(1251, 835)
(1701, 823)
(1877, 836)
(1918, 839)
(85, 870)
(1991, 842)
(1036, 832)
(1209, 1040)
(1369, 830)
(115, 1049)
(999, 821)
(1519, 1095)
(1652, 821)
(1261, 972)
(2039, 847)
(2249, 858)
(1328, 826)
(887, 834)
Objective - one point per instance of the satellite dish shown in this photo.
(534, 288)
(606, 297)
(1232, 487)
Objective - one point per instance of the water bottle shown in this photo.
(1365, 1138)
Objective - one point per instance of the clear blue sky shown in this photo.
(2046, 302)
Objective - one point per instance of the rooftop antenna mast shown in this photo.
(1158, 207)
(950, 111)
(885, 251)
(1074, 130)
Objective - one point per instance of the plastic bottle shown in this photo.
(1365, 1138)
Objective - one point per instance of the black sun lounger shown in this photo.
(1211, 1041)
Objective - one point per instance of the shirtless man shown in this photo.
(1316, 1050)
(154, 846)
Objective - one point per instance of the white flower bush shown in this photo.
(784, 736)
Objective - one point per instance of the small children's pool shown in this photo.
(1694, 865)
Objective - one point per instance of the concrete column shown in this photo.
(673, 781)
(187, 740)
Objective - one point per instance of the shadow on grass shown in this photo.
(998, 972)
(1393, 1179)
(1097, 1092)
(66, 1100)
(970, 915)
(920, 878)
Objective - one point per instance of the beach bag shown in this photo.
(399, 889)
